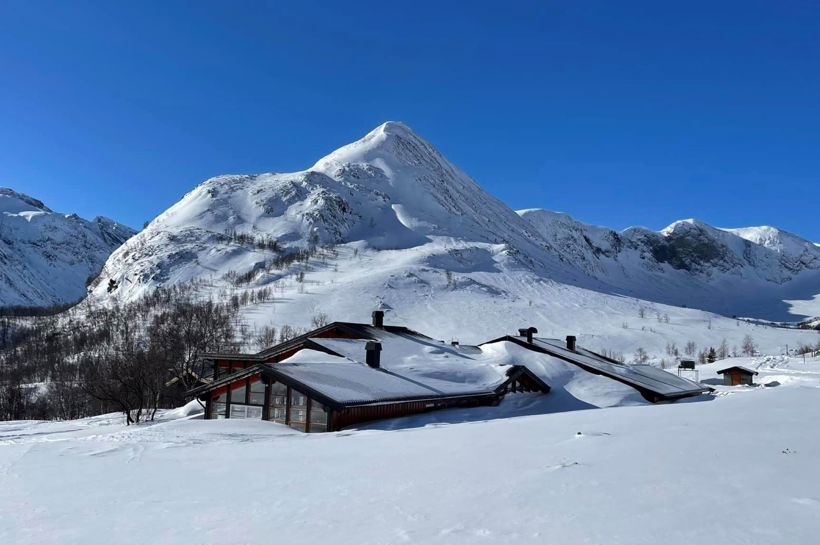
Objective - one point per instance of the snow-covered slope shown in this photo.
(391, 190)
(398, 226)
(748, 272)
(46, 257)
(739, 469)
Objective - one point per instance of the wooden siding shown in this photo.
(356, 415)
(736, 377)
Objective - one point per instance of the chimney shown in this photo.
(378, 318)
(454, 343)
(571, 342)
(527, 333)
(373, 357)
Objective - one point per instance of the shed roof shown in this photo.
(744, 370)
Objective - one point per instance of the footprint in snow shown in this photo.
(592, 434)
(562, 466)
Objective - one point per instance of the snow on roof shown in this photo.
(641, 376)
(443, 367)
(746, 369)
(349, 382)
(411, 366)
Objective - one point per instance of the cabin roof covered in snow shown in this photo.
(412, 366)
(643, 377)
(445, 368)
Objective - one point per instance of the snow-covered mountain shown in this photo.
(391, 190)
(46, 257)
(749, 271)
(399, 226)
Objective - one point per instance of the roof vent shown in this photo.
(373, 358)
(571, 342)
(378, 318)
(527, 333)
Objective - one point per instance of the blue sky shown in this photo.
(619, 113)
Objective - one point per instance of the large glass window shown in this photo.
(318, 417)
(218, 406)
(279, 402)
(245, 411)
(238, 392)
(257, 396)
(298, 410)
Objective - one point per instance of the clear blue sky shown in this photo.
(618, 113)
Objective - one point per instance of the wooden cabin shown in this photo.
(737, 376)
(333, 377)
(328, 396)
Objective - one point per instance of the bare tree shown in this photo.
(748, 346)
(320, 319)
(266, 338)
(640, 356)
(723, 350)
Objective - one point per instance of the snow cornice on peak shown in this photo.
(12, 201)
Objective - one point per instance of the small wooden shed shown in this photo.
(737, 375)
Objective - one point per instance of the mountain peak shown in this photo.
(396, 128)
(391, 144)
(686, 225)
(14, 202)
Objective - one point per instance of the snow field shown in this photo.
(739, 469)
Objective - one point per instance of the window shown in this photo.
(218, 405)
(279, 402)
(218, 410)
(238, 392)
(257, 396)
(278, 414)
(245, 411)
(318, 417)
(298, 410)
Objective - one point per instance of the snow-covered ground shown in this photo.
(740, 468)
